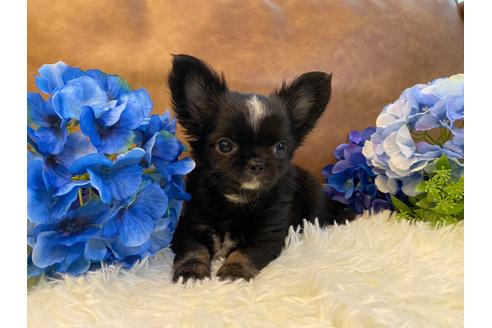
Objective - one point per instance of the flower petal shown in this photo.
(181, 167)
(102, 185)
(40, 112)
(72, 73)
(66, 188)
(51, 140)
(386, 185)
(111, 227)
(341, 166)
(93, 161)
(355, 137)
(43, 207)
(88, 125)
(33, 270)
(426, 122)
(409, 184)
(47, 251)
(50, 77)
(166, 147)
(110, 115)
(73, 253)
(78, 93)
(133, 157)
(115, 140)
(95, 249)
(117, 86)
(76, 147)
(79, 266)
(455, 108)
(138, 106)
(405, 142)
(150, 201)
(134, 231)
(161, 236)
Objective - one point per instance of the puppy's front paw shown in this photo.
(233, 271)
(191, 269)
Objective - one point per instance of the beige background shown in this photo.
(375, 49)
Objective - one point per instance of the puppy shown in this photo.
(245, 192)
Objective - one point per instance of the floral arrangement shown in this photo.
(351, 180)
(420, 131)
(105, 182)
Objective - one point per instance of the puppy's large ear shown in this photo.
(196, 90)
(305, 98)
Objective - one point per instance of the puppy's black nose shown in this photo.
(256, 166)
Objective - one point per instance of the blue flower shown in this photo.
(42, 204)
(123, 166)
(455, 148)
(351, 181)
(114, 86)
(72, 243)
(56, 168)
(111, 128)
(175, 188)
(160, 237)
(83, 91)
(50, 77)
(154, 125)
(395, 152)
(443, 114)
(162, 148)
(114, 181)
(51, 133)
(133, 224)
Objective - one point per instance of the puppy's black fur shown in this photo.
(245, 192)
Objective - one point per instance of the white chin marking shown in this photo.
(234, 198)
(256, 111)
(251, 185)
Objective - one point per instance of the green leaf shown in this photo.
(424, 203)
(443, 163)
(428, 215)
(414, 200)
(456, 208)
(432, 196)
(420, 187)
(399, 205)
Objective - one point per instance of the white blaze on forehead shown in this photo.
(257, 111)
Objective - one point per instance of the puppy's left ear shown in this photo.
(305, 99)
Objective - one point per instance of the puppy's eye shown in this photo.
(225, 146)
(280, 149)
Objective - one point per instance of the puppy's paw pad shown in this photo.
(192, 269)
(234, 271)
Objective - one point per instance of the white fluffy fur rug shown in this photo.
(373, 272)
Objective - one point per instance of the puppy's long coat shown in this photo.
(245, 192)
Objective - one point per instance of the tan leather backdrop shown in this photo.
(374, 48)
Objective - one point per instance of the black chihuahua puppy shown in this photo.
(245, 191)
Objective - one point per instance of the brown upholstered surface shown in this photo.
(374, 48)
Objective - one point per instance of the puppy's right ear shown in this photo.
(196, 90)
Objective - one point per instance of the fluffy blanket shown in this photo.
(373, 272)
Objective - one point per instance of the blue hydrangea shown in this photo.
(351, 180)
(105, 177)
(423, 124)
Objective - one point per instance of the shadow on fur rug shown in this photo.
(373, 272)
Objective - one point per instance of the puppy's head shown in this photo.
(244, 141)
